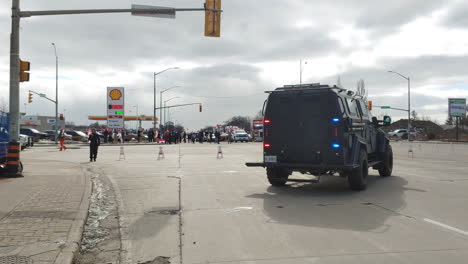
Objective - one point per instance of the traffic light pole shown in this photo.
(14, 45)
(14, 72)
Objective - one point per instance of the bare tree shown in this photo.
(361, 89)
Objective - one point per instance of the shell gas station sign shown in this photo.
(115, 107)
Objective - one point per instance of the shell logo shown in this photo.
(115, 94)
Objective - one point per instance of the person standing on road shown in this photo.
(139, 135)
(62, 140)
(218, 136)
(94, 142)
(106, 135)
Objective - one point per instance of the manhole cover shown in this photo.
(15, 260)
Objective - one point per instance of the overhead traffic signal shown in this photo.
(61, 117)
(200, 108)
(369, 105)
(24, 68)
(213, 18)
(30, 97)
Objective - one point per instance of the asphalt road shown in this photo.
(195, 208)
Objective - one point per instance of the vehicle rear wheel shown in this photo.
(277, 177)
(357, 179)
(387, 162)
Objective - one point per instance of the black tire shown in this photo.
(357, 179)
(386, 167)
(277, 177)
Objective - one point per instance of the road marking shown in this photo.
(229, 171)
(454, 229)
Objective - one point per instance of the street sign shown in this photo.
(385, 107)
(457, 107)
(170, 13)
(42, 95)
(115, 107)
(51, 121)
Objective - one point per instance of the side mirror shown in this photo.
(387, 121)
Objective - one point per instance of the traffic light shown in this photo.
(200, 108)
(213, 18)
(369, 105)
(61, 116)
(30, 95)
(24, 68)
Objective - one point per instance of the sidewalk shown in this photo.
(42, 214)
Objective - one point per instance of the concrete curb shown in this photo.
(72, 246)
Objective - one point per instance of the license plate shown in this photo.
(270, 159)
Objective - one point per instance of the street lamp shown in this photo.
(160, 98)
(138, 117)
(56, 92)
(165, 109)
(409, 103)
(154, 94)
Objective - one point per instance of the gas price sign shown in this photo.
(115, 107)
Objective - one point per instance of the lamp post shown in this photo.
(409, 103)
(160, 98)
(154, 94)
(165, 110)
(138, 117)
(56, 93)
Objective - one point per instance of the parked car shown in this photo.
(51, 135)
(400, 133)
(240, 135)
(24, 141)
(77, 135)
(36, 134)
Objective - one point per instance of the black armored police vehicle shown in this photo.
(322, 130)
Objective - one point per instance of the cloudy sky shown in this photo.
(260, 48)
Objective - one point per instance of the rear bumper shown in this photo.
(302, 166)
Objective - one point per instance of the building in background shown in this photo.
(41, 123)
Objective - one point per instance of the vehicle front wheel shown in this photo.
(387, 162)
(277, 177)
(357, 179)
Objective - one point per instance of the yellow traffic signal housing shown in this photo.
(24, 68)
(30, 97)
(213, 18)
(369, 105)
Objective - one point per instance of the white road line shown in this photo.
(454, 229)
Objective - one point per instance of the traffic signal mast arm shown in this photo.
(172, 106)
(43, 96)
(104, 11)
(392, 108)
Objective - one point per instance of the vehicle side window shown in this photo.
(352, 107)
(341, 104)
(364, 111)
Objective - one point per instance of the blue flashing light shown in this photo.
(335, 120)
(336, 145)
